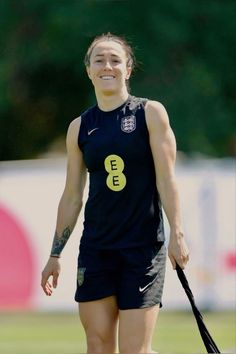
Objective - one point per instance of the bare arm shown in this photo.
(69, 206)
(71, 201)
(163, 146)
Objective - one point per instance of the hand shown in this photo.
(53, 269)
(178, 250)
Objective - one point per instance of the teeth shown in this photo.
(107, 77)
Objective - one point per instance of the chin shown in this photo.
(109, 92)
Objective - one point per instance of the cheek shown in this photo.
(91, 71)
(88, 73)
(122, 71)
(92, 75)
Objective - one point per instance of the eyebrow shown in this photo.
(102, 55)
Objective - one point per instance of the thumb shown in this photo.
(55, 279)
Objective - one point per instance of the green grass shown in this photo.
(43, 333)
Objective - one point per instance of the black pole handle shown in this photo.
(209, 343)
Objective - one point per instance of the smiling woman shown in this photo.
(128, 147)
(109, 63)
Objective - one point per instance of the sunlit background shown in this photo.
(186, 55)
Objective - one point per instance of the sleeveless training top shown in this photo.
(123, 207)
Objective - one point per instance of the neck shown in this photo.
(108, 101)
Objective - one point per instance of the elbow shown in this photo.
(76, 202)
(162, 185)
(79, 204)
(72, 200)
(166, 184)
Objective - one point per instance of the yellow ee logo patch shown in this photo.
(116, 179)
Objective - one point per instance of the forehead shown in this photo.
(108, 47)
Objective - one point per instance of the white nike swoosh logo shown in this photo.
(145, 287)
(90, 131)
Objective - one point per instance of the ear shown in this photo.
(129, 71)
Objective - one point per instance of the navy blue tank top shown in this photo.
(123, 208)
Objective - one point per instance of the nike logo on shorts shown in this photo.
(91, 131)
(145, 287)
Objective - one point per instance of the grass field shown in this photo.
(53, 333)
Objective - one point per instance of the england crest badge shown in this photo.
(128, 124)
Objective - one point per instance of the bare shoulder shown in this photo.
(156, 115)
(73, 131)
(74, 126)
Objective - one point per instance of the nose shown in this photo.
(107, 65)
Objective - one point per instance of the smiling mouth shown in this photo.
(107, 77)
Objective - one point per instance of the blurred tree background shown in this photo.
(186, 52)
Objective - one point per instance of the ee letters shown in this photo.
(116, 179)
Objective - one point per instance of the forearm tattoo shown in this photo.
(59, 242)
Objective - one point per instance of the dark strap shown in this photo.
(209, 343)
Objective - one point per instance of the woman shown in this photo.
(129, 149)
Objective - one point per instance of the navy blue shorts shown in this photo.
(135, 275)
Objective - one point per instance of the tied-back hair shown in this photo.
(114, 38)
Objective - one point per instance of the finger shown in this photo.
(47, 291)
(173, 262)
(43, 284)
(47, 288)
(185, 260)
(182, 263)
(44, 279)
